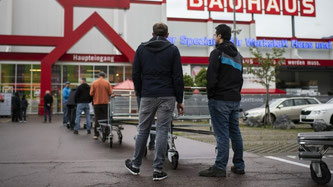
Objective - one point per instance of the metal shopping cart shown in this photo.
(313, 146)
(107, 126)
(172, 153)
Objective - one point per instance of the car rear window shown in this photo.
(312, 101)
(300, 102)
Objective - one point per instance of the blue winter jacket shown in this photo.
(65, 94)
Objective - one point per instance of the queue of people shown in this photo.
(78, 100)
(19, 108)
(158, 81)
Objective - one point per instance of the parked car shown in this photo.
(291, 107)
(321, 113)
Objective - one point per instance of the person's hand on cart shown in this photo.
(180, 108)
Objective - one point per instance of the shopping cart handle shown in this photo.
(103, 121)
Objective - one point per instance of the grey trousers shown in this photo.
(149, 106)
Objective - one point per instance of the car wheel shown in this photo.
(331, 121)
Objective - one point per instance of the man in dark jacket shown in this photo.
(16, 104)
(224, 84)
(158, 80)
(71, 106)
(24, 106)
(48, 100)
(82, 98)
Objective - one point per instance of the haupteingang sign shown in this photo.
(273, 7)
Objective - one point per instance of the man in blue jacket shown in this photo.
(65, 94)
(158, 80)
(224, 84)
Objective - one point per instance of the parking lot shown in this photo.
(44, 154)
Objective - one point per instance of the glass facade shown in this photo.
(25, 79)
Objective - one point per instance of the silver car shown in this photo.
(291, 107)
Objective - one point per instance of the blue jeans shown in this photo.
(224, 116)
(82, 107)
(152, 136)
(149, 106)
(65, 116)
(47, 109)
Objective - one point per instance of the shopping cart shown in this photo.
(107, 126)
(172, 153)
(313, 146)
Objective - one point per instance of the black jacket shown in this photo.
(157, 70)
(225, 73)
(24, 104)
(82, 94)
(71, 98)
(48, 99)
(16, 102)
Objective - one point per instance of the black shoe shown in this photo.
(76, 132)
(213, 172)
(130, 168)
(151, 147)
(237, 171)
(158, 176)
(88, 132)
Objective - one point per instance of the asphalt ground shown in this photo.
(48, 154)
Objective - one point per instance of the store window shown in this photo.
(116, 74)
(56, 74)
(71, 74)
(23, 80)
(99, 69)
(128, 72)
(87, 72)
(36, 74)
(57, 94)
(23, 73)
(8, 73)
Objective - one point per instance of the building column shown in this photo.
(45, 84)
(164, 18)
(252, 28)
(210, 34)
(9, 22)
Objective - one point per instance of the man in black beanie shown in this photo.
(224, 84)
(158, 80)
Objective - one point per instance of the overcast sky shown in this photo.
(269, 25)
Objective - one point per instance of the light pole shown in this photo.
(235, 41)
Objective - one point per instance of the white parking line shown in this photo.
(293, 157)
(289, 162)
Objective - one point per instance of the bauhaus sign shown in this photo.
(274, 7)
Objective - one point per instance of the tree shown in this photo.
(188, 80)
(266, 68)
(200, 79)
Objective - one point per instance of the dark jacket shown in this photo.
(71, 98)
(16, 102)
(157, 70)
(24, 104)
(225, 73)
(82, 94)
(48, 99)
